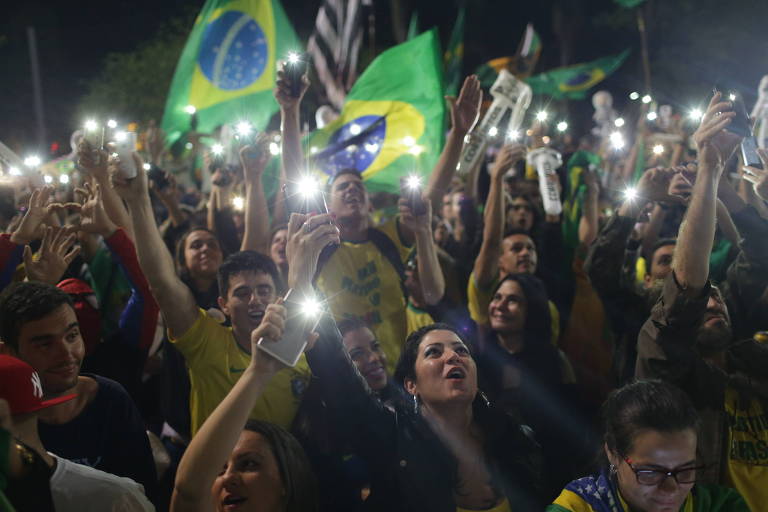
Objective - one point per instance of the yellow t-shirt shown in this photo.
(215, 362)
(359, 281)
(480, 298)
(747, 448)
(501, 507)
(417, 318)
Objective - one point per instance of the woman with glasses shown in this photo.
(651, 431)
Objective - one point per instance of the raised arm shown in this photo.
(464, 113)
(588, 224)
(696, 236)
(430, 272)
(176, 300)
(292, 154)
(211, 446)
(487, 262)
(254, 159)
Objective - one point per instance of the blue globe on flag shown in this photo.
(355, 145)
(233, 51)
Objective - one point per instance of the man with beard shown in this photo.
(689, 341)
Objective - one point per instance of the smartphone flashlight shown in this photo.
(630, 193)
(311, 307)
(217, 149)
(243, 128)
(413, 182)
(308, 186)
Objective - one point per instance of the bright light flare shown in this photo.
(91, 125)
(541, 115)
(64, 179)
(313, 150)
(293, 57)
(238, 203)
(619, 122)
(658, 149)
(32, 161)
(416, 150)
(732, 97)
(617, 140)
(513, 135)
(355, 129)
(409, 141)
(493, 131)
(695, 114)
(243, 128)
(562, 126)
(121, 136)
(48, 179)
(311, 307)
(112, 124)
(630, 193)
(147, 167)
(274, 148)
(308, 186)
(652, 116)
(634, 95)
(647, 99)
(371, 147)
(217, 149)
(190, 109)
(14, 171)
(413, 182)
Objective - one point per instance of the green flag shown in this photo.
(228, 67)
(393, 118)
(573, 200)
(454, 56)
(521, 64)
(413, 26)
(629, 4)
(574, 81)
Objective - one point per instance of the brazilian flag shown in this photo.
(574, 81)
(393, 119)
(228, 67)
(454, 56)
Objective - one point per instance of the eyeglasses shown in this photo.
(658, 476)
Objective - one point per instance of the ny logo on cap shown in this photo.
(37, 386)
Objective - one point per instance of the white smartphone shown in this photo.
(124, 145)
(301, 319)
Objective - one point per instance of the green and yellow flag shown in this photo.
(393, 119)
(228, 67)
(521, 64)
(454, 56)
(574, 81)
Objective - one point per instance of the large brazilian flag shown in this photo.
(228, 67)
(393, 119)
(574, 81)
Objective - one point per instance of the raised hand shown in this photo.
(759, 177)
(715, 144)
(56, 253)
(507, 157)
(131, 190)
(254, 158)
(91, 160)
(37, 211)
(655, 185)
(466, 109)
(93, 217)
(416, 223)
(307, 237)
(282, 90)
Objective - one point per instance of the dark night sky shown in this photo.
(74, 37)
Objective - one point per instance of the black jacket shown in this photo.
(410, 469)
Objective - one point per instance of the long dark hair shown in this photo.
(295, 471)
(181, 262)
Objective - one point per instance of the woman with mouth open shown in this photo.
(441, 446)
(649, 446)
(231, 465)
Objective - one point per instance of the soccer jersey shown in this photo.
(216, 361)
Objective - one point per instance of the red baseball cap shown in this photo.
(20, 385)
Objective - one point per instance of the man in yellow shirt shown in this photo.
(215, 355)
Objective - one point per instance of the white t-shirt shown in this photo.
(78, 488)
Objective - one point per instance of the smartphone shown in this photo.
(413, 195)
(94, 137)
(740, 124)
(301, 319)
(294, 72)
(124, 146)
(157, 175)
(749, 152)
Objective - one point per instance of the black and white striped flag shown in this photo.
(335, 44)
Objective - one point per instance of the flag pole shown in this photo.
(37, 88)
(644, 48)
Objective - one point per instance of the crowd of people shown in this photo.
(472, 351)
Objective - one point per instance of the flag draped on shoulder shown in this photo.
(393, 120)
(335, 45)
(228, 67)
(574, 81)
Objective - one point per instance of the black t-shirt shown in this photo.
(108, 435)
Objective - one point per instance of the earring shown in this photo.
(415, 404)
(485, 399)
